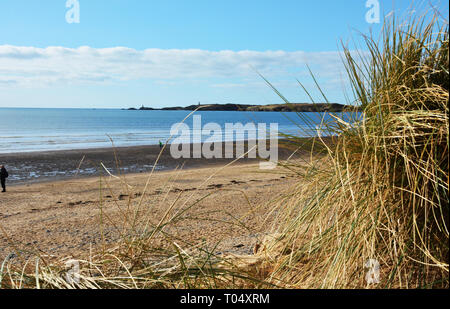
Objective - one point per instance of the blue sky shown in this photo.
(127, 53)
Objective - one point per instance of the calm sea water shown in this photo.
(26, 130)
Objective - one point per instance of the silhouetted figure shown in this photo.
(3, 176)
(161, 145)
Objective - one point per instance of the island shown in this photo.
(289, 107)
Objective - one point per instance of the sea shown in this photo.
(45, 129)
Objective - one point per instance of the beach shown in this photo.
(62, 218)
(70, 215)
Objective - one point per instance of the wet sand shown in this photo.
(33, 167)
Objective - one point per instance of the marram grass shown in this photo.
(382, 192)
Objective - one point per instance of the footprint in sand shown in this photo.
(236, 182)
(219, 185)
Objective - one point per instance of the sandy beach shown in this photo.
(200, 147)
(68, 216)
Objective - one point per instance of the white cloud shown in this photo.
(42, 66)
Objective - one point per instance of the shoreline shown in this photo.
(47, 166)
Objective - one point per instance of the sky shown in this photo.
(157, 53)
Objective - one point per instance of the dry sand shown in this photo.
(72, 216)
(66, 218)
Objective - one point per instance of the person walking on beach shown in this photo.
(161, 145)
(3, 176)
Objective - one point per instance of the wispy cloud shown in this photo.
(43, 66)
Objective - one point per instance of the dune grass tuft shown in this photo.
(375, 212)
